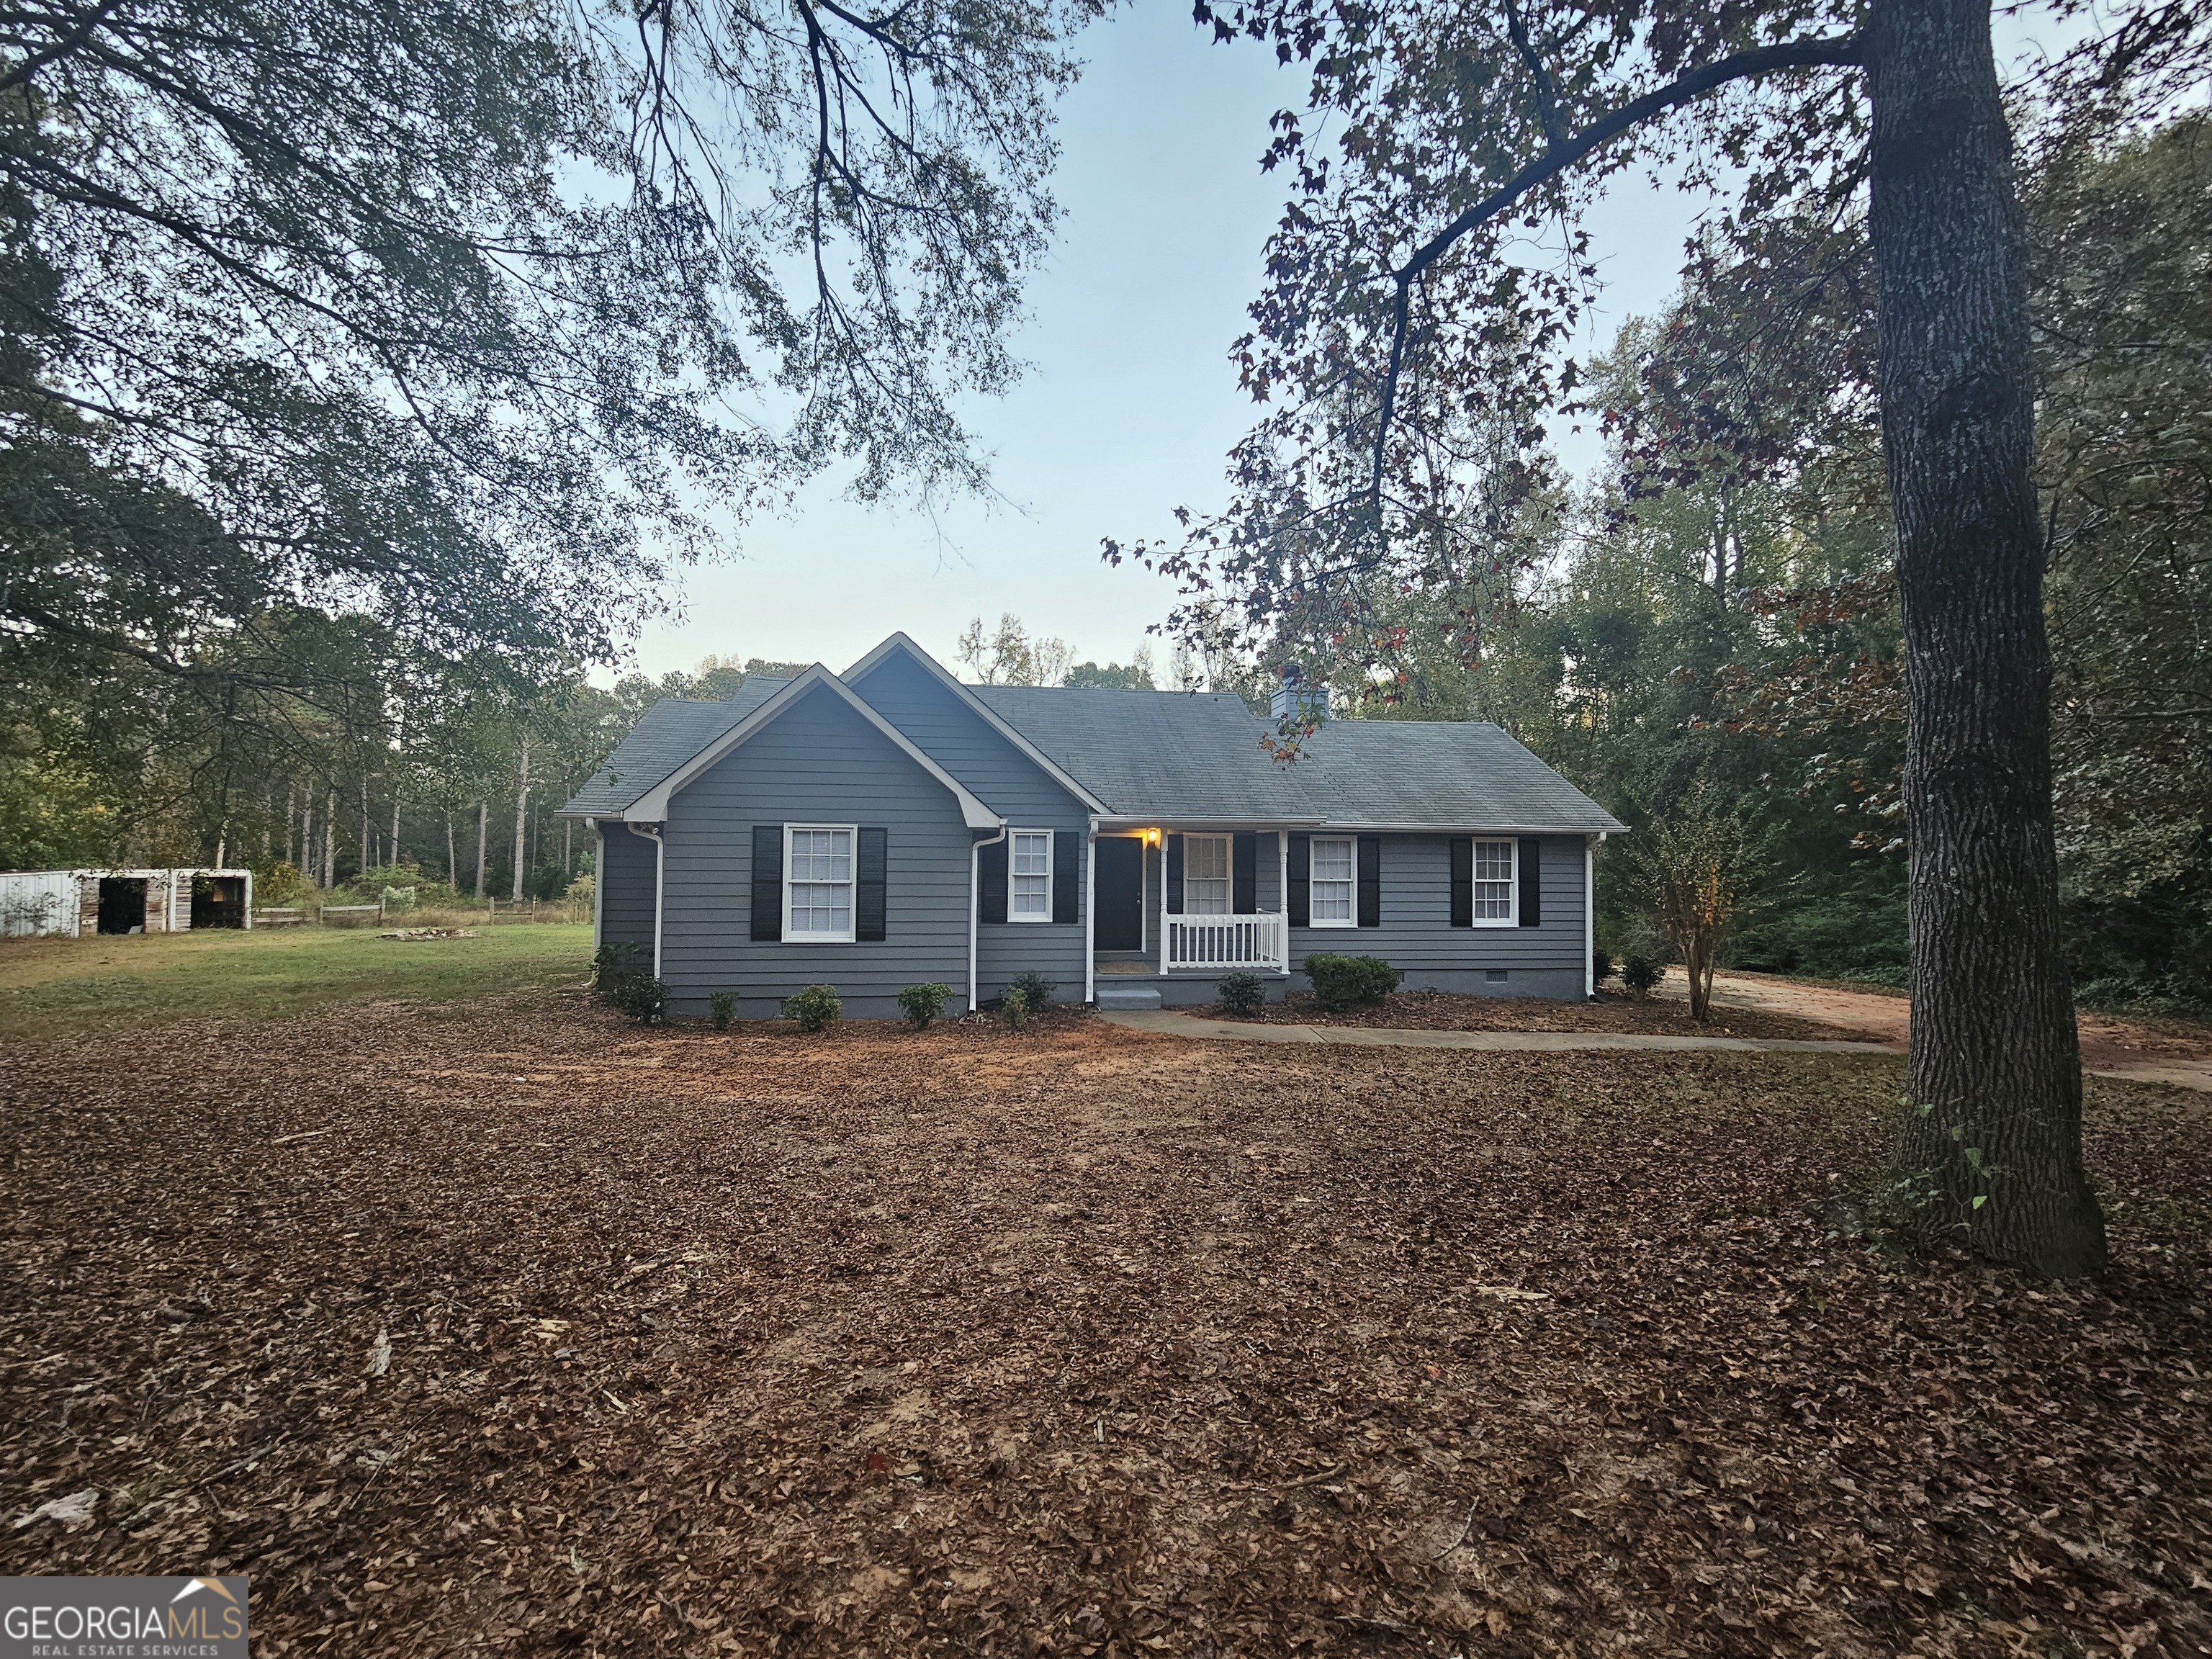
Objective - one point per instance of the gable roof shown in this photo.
(651, 807)
(966, 694)
(673, 730)
(1138, 756)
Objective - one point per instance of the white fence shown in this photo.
(1225, 942)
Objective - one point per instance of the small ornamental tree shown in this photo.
(1693, 869)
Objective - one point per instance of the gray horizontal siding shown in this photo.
(1417, 936)
(818, 762)
(625, 879)
(1010, 783)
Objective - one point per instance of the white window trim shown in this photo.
(791, 935)
(1228, 866)
(1350, 921)
(1051, 846)
(1512, 916)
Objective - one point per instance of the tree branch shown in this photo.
(1832, 52)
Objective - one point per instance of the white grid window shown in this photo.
(1336, 875)
(817, 884)
(1493, 881)
(1205, 875)
(1031, 870)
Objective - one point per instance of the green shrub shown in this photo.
(1242, 993)
(1639, 973)
(1340, 981)
(1601, 966)
(815, 1008)
(924, 1003)
(640, 997)
(1036, 990)
(721, 1008)
(282, 889)
(1014, 1007)
(613, 963)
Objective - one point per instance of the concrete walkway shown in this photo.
(1166, 1022)
(2186, 1073)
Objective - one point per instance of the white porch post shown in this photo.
(1091, 912)
(1283, 892)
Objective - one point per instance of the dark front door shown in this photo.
(1120, 893)
(122, 904)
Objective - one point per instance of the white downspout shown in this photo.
(1091, 911)
(599, 883)
(975, 903)
(1590, 915)
(660, 883)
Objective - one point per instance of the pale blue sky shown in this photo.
(1131, 403)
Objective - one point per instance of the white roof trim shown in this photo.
(1051, 766)
(651, 807)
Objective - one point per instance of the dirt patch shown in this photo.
(2106, 1040)
(519, 1330)
(1445, 1011)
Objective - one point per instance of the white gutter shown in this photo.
(975, 903)
(1091, 912)
(652, 833)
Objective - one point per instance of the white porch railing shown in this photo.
(1224, 942)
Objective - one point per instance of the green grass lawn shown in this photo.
(60, 986)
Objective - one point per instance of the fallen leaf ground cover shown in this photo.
(502, 1328)
(1611, 1010)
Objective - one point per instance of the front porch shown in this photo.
(1175, 907)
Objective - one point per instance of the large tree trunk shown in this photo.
(1995, 1119)
(483, 818)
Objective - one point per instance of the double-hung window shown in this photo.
(818, 882)
(1493, 881)
(1336, 881)
(1030, 871)
(1205, 875)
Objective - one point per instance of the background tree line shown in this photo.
(1720, 606)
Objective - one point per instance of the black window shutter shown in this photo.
(1301, 896)
(1244, 869)
(1532, 881)
(1463, 881)
(871, 891)
(1175, 875)
(767, 882)
(991, 879)
(1370, 881)
(1066, 865)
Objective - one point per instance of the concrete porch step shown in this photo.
(1127, 996)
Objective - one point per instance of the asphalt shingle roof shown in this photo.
(1176, 755)
(673, 730)
(1460, 772)
(1154, 754)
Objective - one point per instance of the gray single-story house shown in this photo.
(889, 825)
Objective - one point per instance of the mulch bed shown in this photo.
(513, 1329)
(1445, 1010)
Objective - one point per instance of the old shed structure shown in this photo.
(69, 903)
